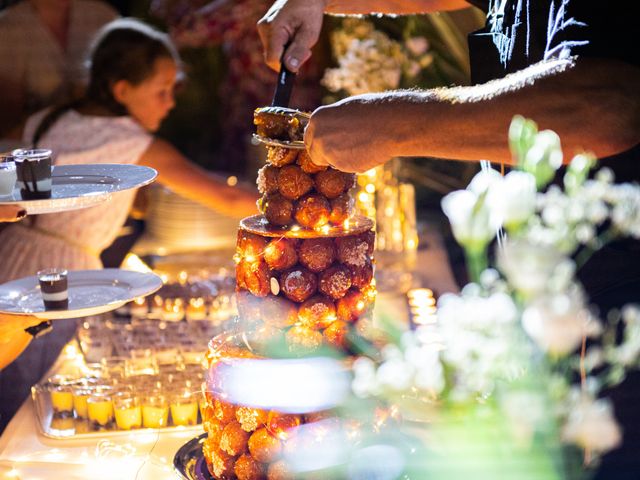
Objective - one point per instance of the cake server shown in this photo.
(284, 86)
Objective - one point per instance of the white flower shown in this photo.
(525, 410)
(558, 322)
(517, 198)
(544, 157)
(528, 267)
(591, 425)
(470, 217)
(395, 375)
(485, 181)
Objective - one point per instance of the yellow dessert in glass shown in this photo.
(184, 408)
(155, 411)
(127, 411)
(62, 400)
(80, 396)
(100, 409)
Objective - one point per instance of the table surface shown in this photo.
(148, 455)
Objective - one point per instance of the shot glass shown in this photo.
(33, 169)
(54, 288)
(142, 361)
(114, 368)
(184, 407)
(80, 396)
(155, 410)
(8, 177)
(62, 400)
(100, 410)
(128, 411)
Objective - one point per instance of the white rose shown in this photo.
(471, 220)
(558, 322)
(518, 200)
(528, 267)
(591, 425)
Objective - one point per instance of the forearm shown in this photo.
(393, 7)
(196, 183)
(211, 190)
(591, 107)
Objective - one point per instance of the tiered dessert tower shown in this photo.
(304, 267)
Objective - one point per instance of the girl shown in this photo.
(133, 72)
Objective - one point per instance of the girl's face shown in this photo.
(150, 101)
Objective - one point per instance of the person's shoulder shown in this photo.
(97, 9)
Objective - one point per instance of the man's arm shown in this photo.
(392, 7)
(297, 23)
(593, 104)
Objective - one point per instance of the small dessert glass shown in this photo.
(80, 396)
(8, 177)
(100, 410)
(62, 400)
(128, 411)
(33, 169)
(184, 407)
(155, 410)
(54, 288)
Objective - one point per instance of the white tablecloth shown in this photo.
(144, 455)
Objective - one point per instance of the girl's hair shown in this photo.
(125, 49)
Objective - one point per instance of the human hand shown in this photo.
(11, 213)
(352, 135)
(13, 325)
(293, 22)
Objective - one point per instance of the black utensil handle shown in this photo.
(284, 87)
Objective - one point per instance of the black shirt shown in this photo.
(519, 33)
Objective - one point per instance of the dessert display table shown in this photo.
(25, 454)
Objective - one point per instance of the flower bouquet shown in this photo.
(509, 382)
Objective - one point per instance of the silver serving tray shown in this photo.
(91, 292)
(81, 186)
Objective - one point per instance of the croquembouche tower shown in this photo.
(304, 266)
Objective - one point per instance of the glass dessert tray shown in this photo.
(81, 186)
(189, 460)
(91, 292)
(58, 427)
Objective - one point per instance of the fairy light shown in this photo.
(232, 181)
(182, 277)
(363, 197)
(370, 188)
(325, 229)
(422, 307)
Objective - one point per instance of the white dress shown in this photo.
(74, 240)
